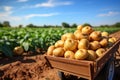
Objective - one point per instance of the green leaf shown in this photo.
(21, 41)
(26, 36)
(6, 50)
(26, 46)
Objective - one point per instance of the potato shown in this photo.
(81, 54)
(18, 50)
(50, 50)
(58, 52)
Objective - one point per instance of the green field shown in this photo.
(108, 29)
(32, 38)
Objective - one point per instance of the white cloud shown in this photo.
(7, 12)
(47, 4)
(8, 16)
(11, 18)
(3, 14)
(40, 15)
(110, 13)
(52, 3)
(7, 8)
(64, 3)
(22, 0)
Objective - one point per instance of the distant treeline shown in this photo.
(63, 24)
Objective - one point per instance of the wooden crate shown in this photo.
(82, 68)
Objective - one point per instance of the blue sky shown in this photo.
(54, 12)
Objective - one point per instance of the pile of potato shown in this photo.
(84, 44)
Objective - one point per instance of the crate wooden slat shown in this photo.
(75, 67)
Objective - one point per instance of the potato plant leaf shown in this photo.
(6, 50)
(26, 46)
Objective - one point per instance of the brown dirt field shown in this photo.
(35, 68)
(26, 68)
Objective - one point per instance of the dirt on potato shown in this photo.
(36, 68)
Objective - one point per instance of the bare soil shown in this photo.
(35, 68)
